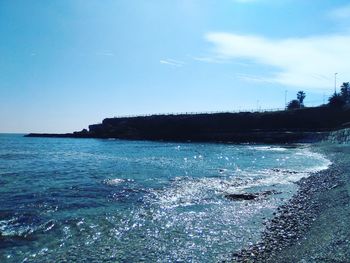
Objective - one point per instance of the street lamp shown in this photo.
(285, 98)
(335, 83)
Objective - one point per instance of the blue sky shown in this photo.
(65, 64)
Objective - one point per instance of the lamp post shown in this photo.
(324, 98)
(285, 98)
(335, 83)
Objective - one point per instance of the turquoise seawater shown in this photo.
(91, 200)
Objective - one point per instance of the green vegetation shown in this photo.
(301, 96)
(294, 104)
(298, 103)
(337, 100)
(340, 99)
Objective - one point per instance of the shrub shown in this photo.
(294, 104)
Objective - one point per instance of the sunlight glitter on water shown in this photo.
(128, 201)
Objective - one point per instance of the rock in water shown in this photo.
(241, 197)
(250, 196)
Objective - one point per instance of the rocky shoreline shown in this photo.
(287, 231)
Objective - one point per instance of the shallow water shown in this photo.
(112, 200)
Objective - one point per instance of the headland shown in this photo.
(287, 126)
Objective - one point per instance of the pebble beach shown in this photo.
(313, 225)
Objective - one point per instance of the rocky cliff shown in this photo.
(302, 125)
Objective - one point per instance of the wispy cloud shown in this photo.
(342, 12)
(105, 54)
(172, 62)
(252, 78)
(246, 1)
(217, 59)
(209, 59)
(308, 62)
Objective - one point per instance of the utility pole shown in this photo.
(285, 98)
(335, 83)
(324, 98)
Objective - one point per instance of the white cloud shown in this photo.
(172, 62)
(308, 62)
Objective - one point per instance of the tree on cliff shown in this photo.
(336, 100)
(298, 103)
(301, 96)
(345, 91)
(342, 98)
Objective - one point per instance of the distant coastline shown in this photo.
(289, 126)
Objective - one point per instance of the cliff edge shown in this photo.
(301, 125)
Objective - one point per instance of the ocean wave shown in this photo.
(114, 182)
(320, 161)
(186, 191)
(268, 148)
(24, 226)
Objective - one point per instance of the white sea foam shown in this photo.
(321, 162)
(191, 191)
(12, 227)
(115, 181)
(186, 191)
(309, 162)
(268, 148)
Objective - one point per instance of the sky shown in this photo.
(66, 64)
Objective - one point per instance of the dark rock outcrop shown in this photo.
(241, 197)
(302, 125)
(250, 196)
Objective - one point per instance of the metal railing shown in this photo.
(199, 113)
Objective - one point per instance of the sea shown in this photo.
(104, 200)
